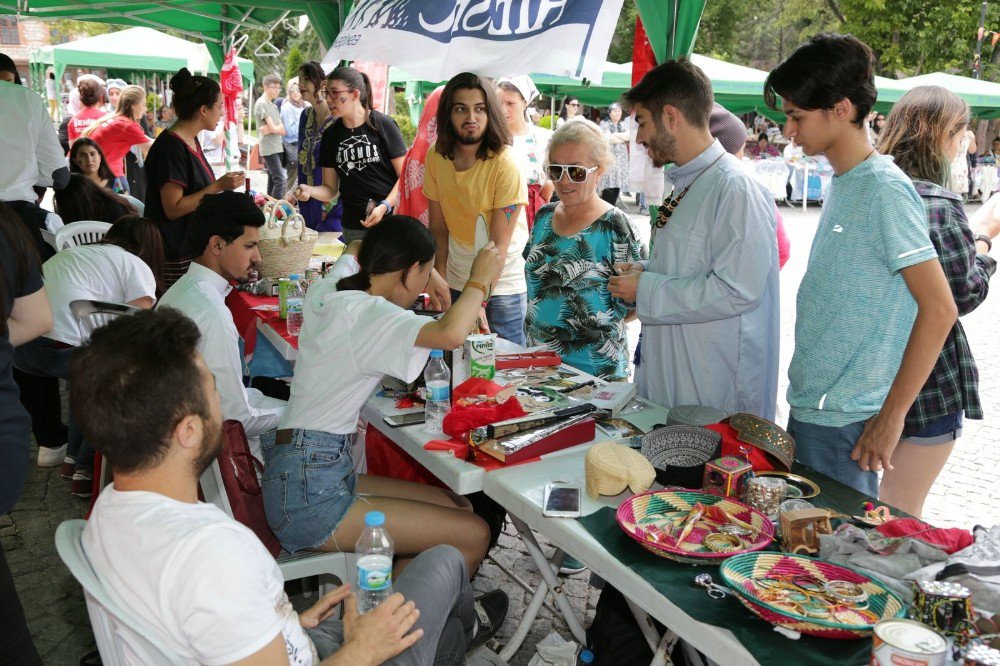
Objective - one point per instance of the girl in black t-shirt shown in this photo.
(361, 154)
(177, 174)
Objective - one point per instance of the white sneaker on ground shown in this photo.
(49, 457)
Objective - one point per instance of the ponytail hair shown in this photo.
(395, 243)
(359, 81)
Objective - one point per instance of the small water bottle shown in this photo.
(374, 552)
(437, 377)
(294, 304)
(585, 658)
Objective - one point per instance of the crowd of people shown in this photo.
(510, 228)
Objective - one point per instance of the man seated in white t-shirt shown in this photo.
(203, 582)
(223, 235)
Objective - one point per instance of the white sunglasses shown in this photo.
(577, 173)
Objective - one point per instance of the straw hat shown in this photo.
(610, 468)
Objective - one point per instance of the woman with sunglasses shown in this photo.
(315, 119)
(570, 111)
(361, 155)
(570, 256)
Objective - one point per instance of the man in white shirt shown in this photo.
(223, 236)
(204, 583)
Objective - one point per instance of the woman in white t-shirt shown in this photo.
(357, 329)
(123, 267)
(531, 143)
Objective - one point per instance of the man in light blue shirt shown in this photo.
(708, 295)
(874, 307)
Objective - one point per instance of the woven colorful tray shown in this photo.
(743, 574)
(659, 510)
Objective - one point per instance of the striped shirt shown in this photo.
(854, 311)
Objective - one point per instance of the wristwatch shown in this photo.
(985, 239)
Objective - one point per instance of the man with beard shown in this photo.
(708, 295)
(204, 583)
(223, 234)
(476, 194)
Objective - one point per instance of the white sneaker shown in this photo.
(48, 457)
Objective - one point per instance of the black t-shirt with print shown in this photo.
(363, 158)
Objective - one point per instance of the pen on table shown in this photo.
(571, 389)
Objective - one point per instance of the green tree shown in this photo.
(64, 30)
(624, 36)
(293, 62)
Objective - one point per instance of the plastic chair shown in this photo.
(80, 233)
(123, 638)
(91, 315)
(293, 567)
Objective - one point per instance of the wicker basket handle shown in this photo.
(270, 210)
(294, 221)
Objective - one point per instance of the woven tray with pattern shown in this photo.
(660, 508)
(742, 572)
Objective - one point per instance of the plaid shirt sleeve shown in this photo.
(953, 385)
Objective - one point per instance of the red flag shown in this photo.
(995, 38)
(231, 82)
(643, 58)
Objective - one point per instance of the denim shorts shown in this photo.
(942, 430)
(308, 487)
(827, 450)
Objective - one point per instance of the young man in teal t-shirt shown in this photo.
(874, 307)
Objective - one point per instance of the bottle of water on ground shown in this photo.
(437, 377)
(295, 303)
(374, 552)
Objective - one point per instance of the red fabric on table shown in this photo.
(462, 419)
(384, 458)
(731, 447)
(950, 540)
(241, 304)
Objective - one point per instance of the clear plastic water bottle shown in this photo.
(374, 552)
(437, 377)
(294, 303)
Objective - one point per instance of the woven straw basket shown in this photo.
(285, 247)
(610, 468)
(742, 572)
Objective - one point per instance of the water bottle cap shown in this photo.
(293, 276)
(374, 519)
(437, 353)
(586, 656)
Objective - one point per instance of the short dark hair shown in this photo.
(679, 83)
(134, 382)
(91, 92)
(192, 92)
(823, 71)
(224, 215)
(397, 242)
(269, 79)
(497, 133)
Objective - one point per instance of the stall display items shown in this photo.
(765, 493)
(810, 596)
(980, 655)
(727, 476)
(941, 605)
(766, 436)
(537, 441)
(480, 353)
(611, 468)
(679, 453)
(693, 527)
(800, 529)
(797, 487)
(907, 642)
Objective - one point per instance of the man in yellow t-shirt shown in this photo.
(476, 194)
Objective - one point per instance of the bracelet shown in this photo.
(388, 206)
(985, 239)
(480, 286)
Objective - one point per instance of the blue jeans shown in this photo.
(275, 175)
(44, 357)
(942, 430)
(438, 584)
(308, 485)
(505, 315)
(828, 451)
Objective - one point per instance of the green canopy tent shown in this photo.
(132, 50)
(671, 25)
(983, 97)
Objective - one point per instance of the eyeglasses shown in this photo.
(573, 104)
(331, 93)
(577, 173)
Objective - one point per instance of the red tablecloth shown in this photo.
(240, 304)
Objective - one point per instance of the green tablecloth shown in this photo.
(675, 582)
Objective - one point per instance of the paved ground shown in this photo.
(966, 494)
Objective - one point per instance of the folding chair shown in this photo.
(123, 638)
(80, 233)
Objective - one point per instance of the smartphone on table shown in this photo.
(561, 501)
(400, 420)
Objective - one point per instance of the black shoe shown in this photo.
(491, 610)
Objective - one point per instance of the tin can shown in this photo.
(481, 355)
(907, 643)
(981, 655)
(941, 604)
